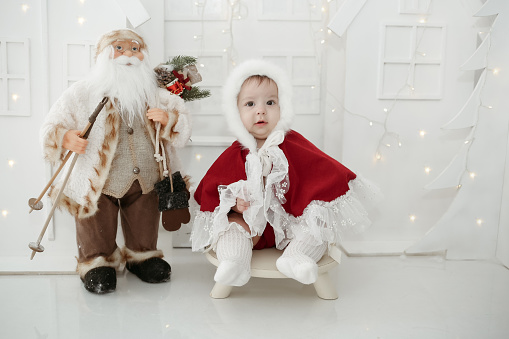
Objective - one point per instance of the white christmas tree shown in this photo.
(470, 227)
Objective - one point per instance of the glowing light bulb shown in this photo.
(322, 41)
(422, 20)
(495, 71)
(371, 123)
(82, 1)
(329, 31)
(459, 186)
(313, 87)
(4, 213)
(427, 170)
(479, 221)
(198, 157)
(25, 8)
(202, 65)
(378, 156)
(81, 20)
(11, 163)
(386, 110)
(422, 133)
(412, 217)
(472, 175)
(323, 9)
(15, 97)
(467, 141)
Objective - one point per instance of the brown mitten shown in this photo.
(174, 204)
(173, 219)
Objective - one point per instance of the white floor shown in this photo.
(383, 297)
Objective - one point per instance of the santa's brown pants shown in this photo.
(139, 218)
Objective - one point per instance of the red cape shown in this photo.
(313, 175)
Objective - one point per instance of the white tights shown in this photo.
(234, 251)
(299, 259)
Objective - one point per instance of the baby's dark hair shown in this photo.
(260, 78)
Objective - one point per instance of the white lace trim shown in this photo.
(324, 221)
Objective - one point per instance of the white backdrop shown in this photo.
(346, 104)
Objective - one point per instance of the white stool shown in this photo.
(263, 265)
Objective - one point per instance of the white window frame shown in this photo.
(412, 62)
(5, 77)
(88, 47)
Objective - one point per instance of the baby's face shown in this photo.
(258, 105)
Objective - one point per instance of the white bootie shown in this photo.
(234, 251)
(299, 259)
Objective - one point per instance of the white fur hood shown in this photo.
(231, 91)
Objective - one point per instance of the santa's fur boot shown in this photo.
(152, 270)
(299, 259)
(234, 251)
(100, 280)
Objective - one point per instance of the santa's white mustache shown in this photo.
(125, 60)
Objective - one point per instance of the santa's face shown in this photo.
(258, 105)
(128, 49)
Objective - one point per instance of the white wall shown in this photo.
(329, 72)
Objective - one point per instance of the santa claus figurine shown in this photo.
(116, 170)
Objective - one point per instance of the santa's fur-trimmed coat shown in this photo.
(71, 111)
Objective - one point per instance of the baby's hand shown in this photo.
(241, 206)
(158, 115)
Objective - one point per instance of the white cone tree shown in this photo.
(470, 227)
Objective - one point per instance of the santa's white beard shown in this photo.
(133, 86)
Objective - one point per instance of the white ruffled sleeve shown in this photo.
(209, 226)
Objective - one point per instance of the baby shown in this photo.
(272, 187)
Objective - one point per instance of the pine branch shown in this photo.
(180, 61)
(195, 94)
